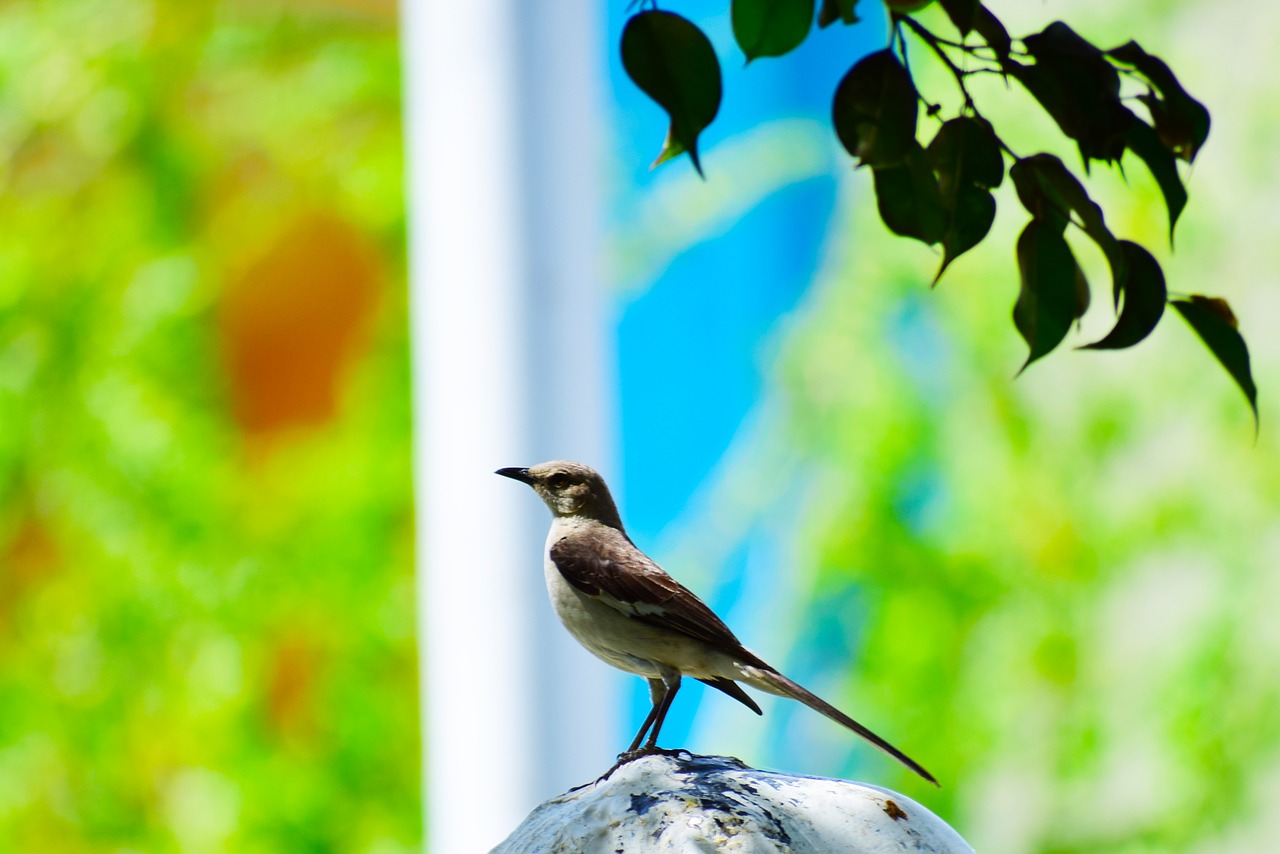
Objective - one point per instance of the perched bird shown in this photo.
(629, 612)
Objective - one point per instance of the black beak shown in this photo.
(516, 473)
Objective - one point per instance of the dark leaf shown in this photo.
(672, 62)
(837, 10)
(1149, 66)
(770, 27)
(993, 33)
(1215, 323)
(1047, 189)
(1181, 121)
(966, 156)
(969, 213)
(875, 110)
(1056, 185)
(1096, 122)
(1040, 201)
(908, 199)
(1219, 307)
(1143, 141)
(1060, 43)
(1144, 297)
(1175, 128)
(1048, 301)
(962, 13)
(966, 151)
(1076, 85)
(1081, 293)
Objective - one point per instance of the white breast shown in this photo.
(599, 628)
(620, 640)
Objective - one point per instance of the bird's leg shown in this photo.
(661, 693)
(671, 684)
(657, 691)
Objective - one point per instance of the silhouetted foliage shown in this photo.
(939, 191)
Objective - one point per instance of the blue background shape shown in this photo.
(690, 338)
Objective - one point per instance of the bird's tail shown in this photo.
(773, 682)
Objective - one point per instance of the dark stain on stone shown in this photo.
(737, 802)
(779, 833)
(641, 801)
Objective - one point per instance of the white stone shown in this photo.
(690, 803)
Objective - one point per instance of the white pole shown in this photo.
(510, 365)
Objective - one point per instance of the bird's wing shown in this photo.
(608, 567)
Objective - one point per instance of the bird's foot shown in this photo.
(649, 750)
(629, 756)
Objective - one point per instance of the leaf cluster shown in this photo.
(938, 188)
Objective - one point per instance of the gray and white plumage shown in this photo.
(630, 613)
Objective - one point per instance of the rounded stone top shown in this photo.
(688, 803)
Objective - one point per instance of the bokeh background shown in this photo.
(1057, 592)
(206, 608)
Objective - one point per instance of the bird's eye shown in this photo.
(559, 480)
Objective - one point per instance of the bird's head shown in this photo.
(569, 489)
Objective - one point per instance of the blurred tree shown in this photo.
(1060, 590)
(1077, 582)
(206, 608)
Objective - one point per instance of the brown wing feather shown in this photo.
(607, 565)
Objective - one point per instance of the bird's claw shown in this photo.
(649, 750)
(628, 756)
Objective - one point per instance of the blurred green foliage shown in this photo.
(206, 599)
(1065, 583)
(1057, 592)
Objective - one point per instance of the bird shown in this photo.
(627, 611)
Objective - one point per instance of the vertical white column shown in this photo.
(563, 70)
(510, 359)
